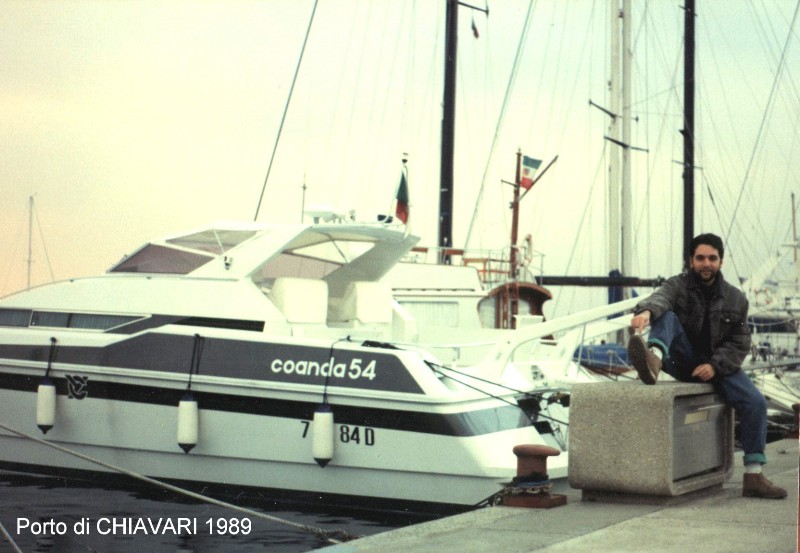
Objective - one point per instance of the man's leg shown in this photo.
(739, 392)
(675, 351)
(667, 334)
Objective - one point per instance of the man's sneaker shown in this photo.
(646, 363)
(756, 485)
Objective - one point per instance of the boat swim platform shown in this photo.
(714, 520)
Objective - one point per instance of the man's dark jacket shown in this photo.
(730, 335)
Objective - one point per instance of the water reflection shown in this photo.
(54, 515)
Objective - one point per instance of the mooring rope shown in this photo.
(435, 367)
(328, 535)
(8, 538)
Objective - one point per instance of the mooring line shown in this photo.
(8, 538)
(325, 534)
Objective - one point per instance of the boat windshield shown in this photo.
(178, 260)
(161, 259)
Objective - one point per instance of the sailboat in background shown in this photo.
(439, 285)
(334, 367)
(13, 267)
(774, 320)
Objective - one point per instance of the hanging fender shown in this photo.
(46, 405)
(322, 435)
(188, 422)
(46, 394)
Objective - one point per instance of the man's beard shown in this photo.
(706, 277)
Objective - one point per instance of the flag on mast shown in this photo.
(529, 167)
(401, 208)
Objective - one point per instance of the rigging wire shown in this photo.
(7, 537)
(586, 207)
(44, 245)
(436, 368)
(16, 246)
(764, 117)
(10, 266)
(285, 110)
(380, 102)
(511, 79)
(332, 536)
(359, 66)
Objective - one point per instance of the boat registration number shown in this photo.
(349, 434)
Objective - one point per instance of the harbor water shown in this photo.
(49, 514)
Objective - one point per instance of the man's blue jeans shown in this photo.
(737, 390)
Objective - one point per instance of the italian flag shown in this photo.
(401, 209)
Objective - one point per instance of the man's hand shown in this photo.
(640, 321)
(704, 372)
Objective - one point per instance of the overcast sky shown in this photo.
(132, 120)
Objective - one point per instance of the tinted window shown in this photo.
(15, 317)
(160, 259)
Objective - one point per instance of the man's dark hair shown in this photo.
(707, 239)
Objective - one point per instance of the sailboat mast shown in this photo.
(627, 218)
(614, 246)
(794, 228)
(512, 256)
(30, 239)
(448, 131)
(688, 127)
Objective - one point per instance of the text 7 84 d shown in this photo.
(349, 434)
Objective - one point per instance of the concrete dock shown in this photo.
(716, 520)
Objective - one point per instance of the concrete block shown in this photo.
(662, 440)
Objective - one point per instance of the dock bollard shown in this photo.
(531, 487)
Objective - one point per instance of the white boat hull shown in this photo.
(370, 463)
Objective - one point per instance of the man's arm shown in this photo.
(640, 320)
(659, 302)
(734, 347)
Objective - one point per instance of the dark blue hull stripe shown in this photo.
(467, 423)
(370, 368)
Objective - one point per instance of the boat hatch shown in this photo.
(215, 241)
(312, 255)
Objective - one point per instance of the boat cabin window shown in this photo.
(15, 317)
(90, 321)
(161, 259)
(59, 319)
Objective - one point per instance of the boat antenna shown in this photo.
(285, 110)
(30, 239)
(302, 202)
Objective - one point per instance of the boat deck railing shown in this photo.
(493, 266)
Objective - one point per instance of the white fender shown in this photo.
(188, 422)
(46, 405)
(322, 435)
